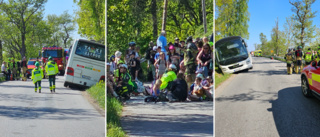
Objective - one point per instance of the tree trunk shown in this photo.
(164, 17)
(1, 59)
(204, 16)
(154, 18)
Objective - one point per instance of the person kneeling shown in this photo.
(124, 85)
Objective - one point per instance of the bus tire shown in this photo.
(65, 84)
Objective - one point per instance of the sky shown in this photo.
(58, 7)
(263, 14)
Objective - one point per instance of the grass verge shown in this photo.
(2, 79)
(97, 92)
(220, 77)
(114, 109)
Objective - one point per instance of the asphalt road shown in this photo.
(167, 119)
(66, 113)
(265, 102)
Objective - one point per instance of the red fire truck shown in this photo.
(57, 53)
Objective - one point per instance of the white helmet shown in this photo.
(118, 54)
(124, 66)
(172, 66)
(155, 48)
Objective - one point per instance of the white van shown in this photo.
(86, 64)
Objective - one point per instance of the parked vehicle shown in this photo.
(31, 66)
(86, 64)
(58, 55)
(232, 55)
(310, 80)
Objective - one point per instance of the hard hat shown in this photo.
(172, 66)
(171, 47)
(176, 39)
(124, 66)
(132, 44)
(50, 58)
(200, 76)
(37, 64)
(118, 54)
(155, 48)
(299, 47)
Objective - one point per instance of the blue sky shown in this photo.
(263, 14)
(58, 7)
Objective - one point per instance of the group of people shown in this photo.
(51, 69)
(295, 57)
(12, 70)
(180, 70)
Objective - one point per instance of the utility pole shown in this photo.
(164, 17)
(204, 16)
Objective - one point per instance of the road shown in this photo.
(167, 119)
(265, 102)
(66, 113)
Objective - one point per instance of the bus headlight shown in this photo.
(248, 61)
(60, 66)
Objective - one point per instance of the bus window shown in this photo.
(90, 50)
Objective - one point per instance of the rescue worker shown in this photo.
(163, 82)
(124, 84)
(299, 55)
(308, 57)
(9, 68)
(24, 68)
(289, 60)
(36, 76)
(190, 61)
(52, 70)
(14, 68)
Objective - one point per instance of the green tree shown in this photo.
(91, 19)
(303, 16)
(19, 14)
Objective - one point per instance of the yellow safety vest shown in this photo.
(36, 75)
(52, 68)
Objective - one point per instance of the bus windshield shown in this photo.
(90, 50)
(52, 53)
(231, 51)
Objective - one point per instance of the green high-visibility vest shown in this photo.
(52, 68)
(166, 78)
(308, 57)
(36, 75)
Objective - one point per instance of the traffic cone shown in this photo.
(11, 77)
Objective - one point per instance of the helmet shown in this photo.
(132, 44)
(189, 39)
(155, 48)
(309, 48)
(192, 46)
(37, 64)
(171, 47)
(124, 66)
(172, 66)
(50, 58)
(299, 47)
(112, 57)
(200, 76)
(118, 53)
(176, 39)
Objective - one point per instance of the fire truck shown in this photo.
(57, 54)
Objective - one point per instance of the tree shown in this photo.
(19, 14)
(66, 27)
(91, 19)
(289, 31)
(303, 16)
(233, 17)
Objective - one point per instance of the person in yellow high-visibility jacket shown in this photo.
(36, 77)
(52, 70)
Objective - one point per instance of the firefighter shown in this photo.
(190, 61)
(36, 77)
(124, 83)
(52, 70)
(289, 60)
(299, 55)
(24, 67)
(14, 67)
(308, 57)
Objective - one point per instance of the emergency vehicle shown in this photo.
(57, 54)
(310, 80)
(31, 66)
(86, 64)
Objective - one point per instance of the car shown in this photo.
(31, 66)
(310, 80)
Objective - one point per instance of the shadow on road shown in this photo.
(169, 125)
(248, 96)
(268, 62)
(296, 115)
(270, 72)
(45, 113)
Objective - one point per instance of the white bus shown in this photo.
(86, 64)
(232, 55)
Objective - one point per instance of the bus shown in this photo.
(259, 53)
(232, 55)
(86, 64)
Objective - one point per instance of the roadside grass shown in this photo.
(114, 109)
(97, 92)
(219, 76)
(2, 79)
